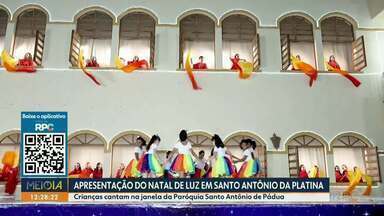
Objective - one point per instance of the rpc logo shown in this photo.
(44, 127)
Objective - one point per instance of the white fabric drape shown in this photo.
(342, 53)
(306, 51)
(100, 48)
(131, 48)
(83, 154)
(313, 156)
(23, 45)
(349, 156)
(200, 48)
(231, 48)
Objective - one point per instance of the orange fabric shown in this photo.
(189, 71)
(81, 65)
(307, 69)
(9, 158)
(345, 74)
(132, 65)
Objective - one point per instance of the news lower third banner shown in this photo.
(158, 190)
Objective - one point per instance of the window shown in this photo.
(93, 35)
(123, 148)
(354, 150)
(240, 37)
(296, 36)
(137, 37)
(306, 149)
(30, 34)
(339, 41)
(84, 147)
(3, 27)
(232, 143)
(197, 35)
(201, 141)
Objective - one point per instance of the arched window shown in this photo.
(84, 147)
(137, 37)
(240, 37)
(123, 146)
(3, 26)
(353, 150)
(309, 150)
(93, 35)
(232, 143)
(296, 36)
(201, 141)
(9, 141)
(339, 41)
(30, 34)
(197, 35)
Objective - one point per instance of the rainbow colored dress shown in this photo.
(250, 166)
(148, 163)
(183, 162)
(223, 166)
(131, 170)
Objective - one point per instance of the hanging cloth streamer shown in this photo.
(12, 65)
(130, 67)
(188, 69)
(245, 68)
(345, 74)
(307, 69)
(81, 65)
(355, 179)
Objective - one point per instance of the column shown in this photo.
(115, 42)
(319, 50)
(9, 35)
(218, 47)
(57, 45)
(167, 47)
(270, 50)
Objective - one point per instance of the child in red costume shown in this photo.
(303, 172)
(76, 170)
(333, 63)
(92, 62)
(98, 171)
(200, 65)
(26, 64)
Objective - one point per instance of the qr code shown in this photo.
(44, 154)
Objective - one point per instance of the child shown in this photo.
(223, 165)
(120, 171)
(98, 171)
(201, 165)
(131, 169)
(26, 64)
(338, 174)
(149, 165)
(256, 164)
(303, 172)
(76, 170)
(87, 172)
(183, 163)
(248, 168)
(167, 165)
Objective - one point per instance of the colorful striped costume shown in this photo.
(149, 163)
(250, 166)
(223, 166)
(183, 162)
(131, 170)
